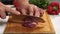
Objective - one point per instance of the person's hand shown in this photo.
(30, 9)
(4, 8)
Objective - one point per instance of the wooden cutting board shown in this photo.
(14, 27)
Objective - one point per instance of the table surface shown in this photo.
(54, 18)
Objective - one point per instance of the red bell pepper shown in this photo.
(53, 8)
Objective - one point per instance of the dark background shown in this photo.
(7, 1)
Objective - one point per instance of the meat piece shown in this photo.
(29, 22)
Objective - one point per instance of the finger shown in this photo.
(24, 12)
(12, 11)
(41, 11)
(31, 10)
(2, 13)
(37, 14)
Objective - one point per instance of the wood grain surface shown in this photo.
(14, 26)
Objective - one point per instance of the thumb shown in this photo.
(9, 9)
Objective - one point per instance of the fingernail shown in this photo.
(18, 12)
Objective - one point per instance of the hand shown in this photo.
(4, 8)
(30, 9)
